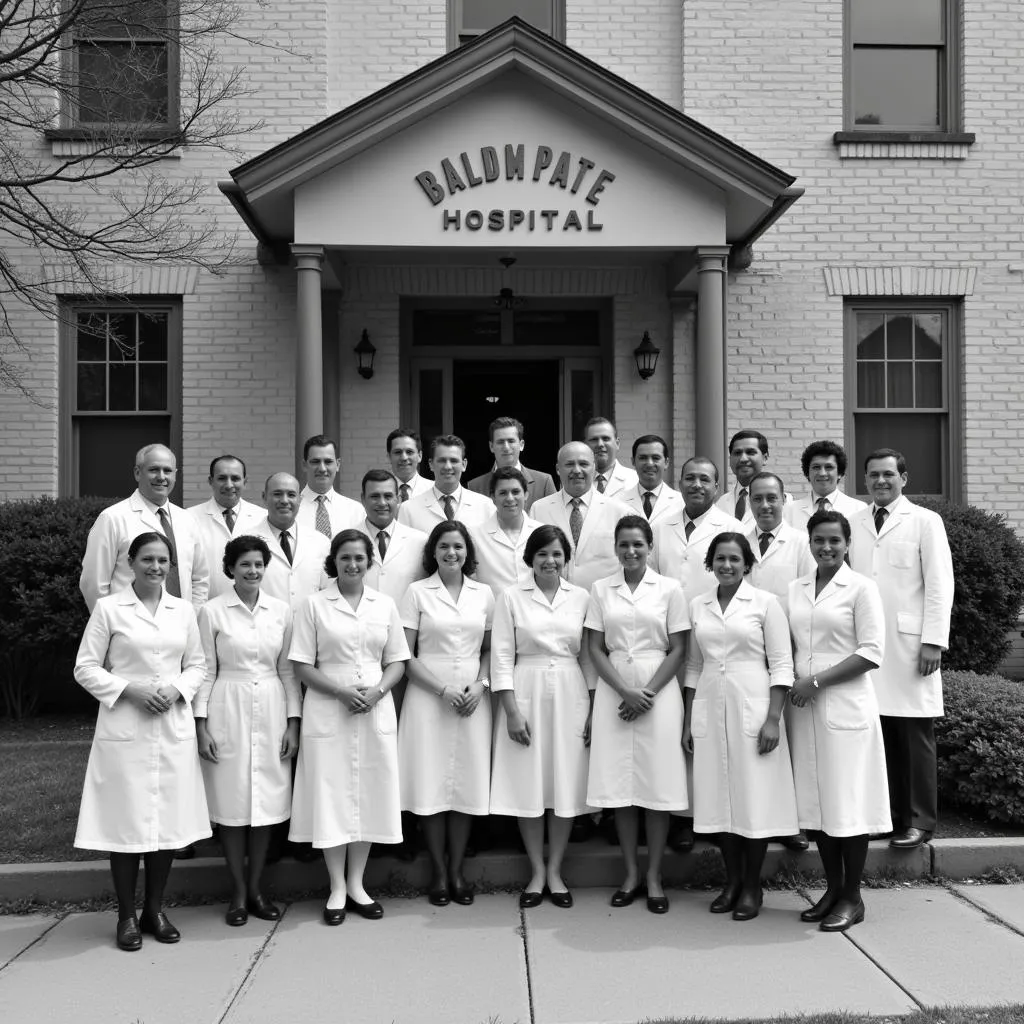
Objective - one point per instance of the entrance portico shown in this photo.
(516, 146)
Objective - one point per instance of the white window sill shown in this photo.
(903, 145)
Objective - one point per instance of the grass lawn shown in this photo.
(935, 1015)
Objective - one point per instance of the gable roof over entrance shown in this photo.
(662, 147)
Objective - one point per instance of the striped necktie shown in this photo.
(323, 517)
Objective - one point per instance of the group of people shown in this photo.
(753, 667)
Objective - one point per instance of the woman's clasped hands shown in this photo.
(359, 700)
(803, 691)
(635, 703)
(151, 697)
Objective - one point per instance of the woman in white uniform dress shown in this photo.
(501, 540)
(838, 627)
(349, 649)
(141, 658)
(738, 674)
(247, 721)
(444, 737)
(545, 682)
(637, 623)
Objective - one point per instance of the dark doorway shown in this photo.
(528, 390)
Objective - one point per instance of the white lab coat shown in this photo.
(403, 561)
(247, 697)
(727, 504)
(683, 560)
(444, 759)
(143, 785)
(638, 763)
(788, 557)
(733, 662)
(305, 576)
(836, 740)
(538, 650)
(910, 562)
(668, 505)
(213, 535)
(346, 779)
(499, 559)
(344, 513)
(425, 511)
(797, 512)
(620, 479)
(594, 557)
(105, 568)
(417, 485)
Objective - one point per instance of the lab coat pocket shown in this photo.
(907, 623)
(699, 718)
(385, 721)
(845, 710)
(217, 721)
(117, 724)
(320, 715)
(902, 554)
(755, 711)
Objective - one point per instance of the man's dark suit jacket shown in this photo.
(539, 485)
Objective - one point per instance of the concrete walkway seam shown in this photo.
(253, 964)
(524, 932)
(852, 939)
(993, 917)
(39, 938)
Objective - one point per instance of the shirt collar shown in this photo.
(585, 498)
(154, 508)
(456, 495)
(372, 530)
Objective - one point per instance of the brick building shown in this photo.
(810, 206)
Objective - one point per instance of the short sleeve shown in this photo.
(396, 648)
(595, 611)
(488, 608)
(677, 617)
(409, 610)
(869, 622)
(778, 648)
(503, 645)
(303, 648)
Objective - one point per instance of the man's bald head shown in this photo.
(282, 495)
(576, 468)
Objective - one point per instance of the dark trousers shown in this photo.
(911, 767)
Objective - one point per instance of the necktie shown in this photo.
(648, 503)
(286, 546)
(763, 541)
(173, 582)
(688, 529)
(880, 517)
(382, 544)
(447, 500)
(601, 483)
(741, 504)
(229, 518)
(575, 521)
(323, 519)
(403, 492)
(822, 504)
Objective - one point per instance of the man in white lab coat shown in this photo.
(748, 455)
(610, 476)
(447, 498)
(651, 497)
(323, 508)
(824, 465)
(405, 453)
(904, 549)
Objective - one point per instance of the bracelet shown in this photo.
(814, 683)
(485, 683)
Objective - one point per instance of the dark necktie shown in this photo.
(382, 544)
(173, 583)
(229, 518)
(648, 503)
(448, 501)
(822, 504)
(688, 529)
(880, 517)
(323, 518)
(763, 541)
(741, 504)
(575, 521)
(403, 492)
(286, 545)
(601, 483)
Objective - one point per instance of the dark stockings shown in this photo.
(843, 860)
(238, 841)
(753, 860)
(124, 867)
(453, 826)
(743, 861)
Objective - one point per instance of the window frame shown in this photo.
(68, 450)
(952, 386)
(950, 86)
(70, 103)
(455, 33)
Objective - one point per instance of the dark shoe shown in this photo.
(236, 916)
(439, 896)
(529, 899)
(371, 911)
(129, 938)
(562, 900)
(682, 840)
(185, 853)
(748, 906)
(911, 839)
(334, 917)
(821, 909)
(797, 843)
(463, 895)
(262, 908)
(844, 915)
(624, 897)
(159, 927)
(657, 904)
(725, 901)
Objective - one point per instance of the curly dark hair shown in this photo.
(241, 545)
(346, 537)
(730, 537)
(452, 526)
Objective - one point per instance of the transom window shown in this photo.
(468, 19)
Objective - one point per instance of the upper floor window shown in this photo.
(123, 64)
(468, 19)
(902, 68)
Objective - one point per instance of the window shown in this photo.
(468, 19)
(124, 64)
(902, 390)
(902, 71)
(121, 372)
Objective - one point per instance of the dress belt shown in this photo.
(247, 677)
(548, 659)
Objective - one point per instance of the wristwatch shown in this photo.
(814, 682)
(485, 683)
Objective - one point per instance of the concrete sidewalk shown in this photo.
(492, 963)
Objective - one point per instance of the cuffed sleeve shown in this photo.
(90, 672)
(778, 647)
(869, 622)
(503, 646)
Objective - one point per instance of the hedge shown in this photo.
(981, 746)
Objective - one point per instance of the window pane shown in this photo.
(896, 21)
(896, 88)
(431, 406)
(481, 15)
(92, 387)
(870, 336)
(582, 399)
(899, 344)
(556, 328)
(122, 386)
(455, 327)
(928, 335)
(121, 327)
(122, 82)
(900, 390)
(921, 438)
(871, 385)
(107, 447)
(152, 386)
(122, 19)
(929, 386)
(152, 329)
(92, 338)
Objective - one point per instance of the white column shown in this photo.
(309, 370)
(710, 378)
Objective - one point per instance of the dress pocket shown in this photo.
(117, 724)
(755, 711)
(183, 725)
(845, 710)
(699, 718)
(320, 716)
(385, 721)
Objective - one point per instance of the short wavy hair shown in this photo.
(730, 537)
(449, 526)
(241, 545)
(346, 537)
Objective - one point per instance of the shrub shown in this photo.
(42, 612)
(981, 746)
(988, 564)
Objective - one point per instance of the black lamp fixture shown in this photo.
(646, 356)
(365, 351)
